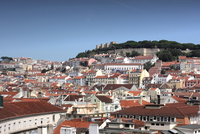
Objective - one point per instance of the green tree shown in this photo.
(63, 70)
(148, 65)
(5, 57)
(134, 53)
(52, 66)
(128, 54)
(165, 55)
(44, 71)
(121, 53)
(162, 71)
(195, 53)
(81, 55)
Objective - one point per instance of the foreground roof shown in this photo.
(27, 108)
(171, 110)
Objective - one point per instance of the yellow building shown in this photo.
(136, 76)
(176, 83)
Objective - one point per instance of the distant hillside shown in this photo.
(162, 44)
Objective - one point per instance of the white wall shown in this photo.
(25, 123)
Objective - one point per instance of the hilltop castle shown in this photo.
(142, 51)
(107, 45)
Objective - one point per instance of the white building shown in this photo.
(29, 116)
(144, 59)
(108, 67)
(161, 79)
(58, 79)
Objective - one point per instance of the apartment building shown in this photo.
(108, 67)
(162, 117)
(28, 116)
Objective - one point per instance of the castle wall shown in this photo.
(142, 51)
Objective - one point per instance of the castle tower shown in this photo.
(102, 45)
(113, 42)
(97, 46)
(107, 45)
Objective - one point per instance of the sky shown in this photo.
(56, 30)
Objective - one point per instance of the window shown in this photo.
(0, 129)
(4, 128)
(41, 120)
(24, 123)
(165, 119)
(162, 124)
(151, 118)
(19, 124)
(144, 118)
(35, 121)
(126, 125)
(53, 118)
(29, 122)
(172, 119)
(152, 124)
(47, 119)
(158, 118)
(8, 126)
(14, 125)
(157, 124)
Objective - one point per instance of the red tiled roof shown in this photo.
(134, 70)
(91, 71)
(9, 94)
(89, 92)
(114, 75)
(79, 77)
(131, 103)
(152, 88)
(172, 110)
(135, 93)
(16, 109)
(102, 76)
(27, 81)
(182, 57)
(40, 74)
(76, 124)
(104, 99)
(180, 100)
(73, 97)
(115, 86)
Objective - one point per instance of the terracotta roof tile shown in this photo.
(104, 99)
(15, 109)
(76, 124)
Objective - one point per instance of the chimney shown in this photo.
(1, 102)
(93, 129)
(140, 100)
(158, 99)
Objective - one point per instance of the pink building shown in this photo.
(154, 70)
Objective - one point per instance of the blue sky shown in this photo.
(57, 30)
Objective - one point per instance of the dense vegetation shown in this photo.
(171, 49)
(172, 54)
(6, 59)
(163, 44)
